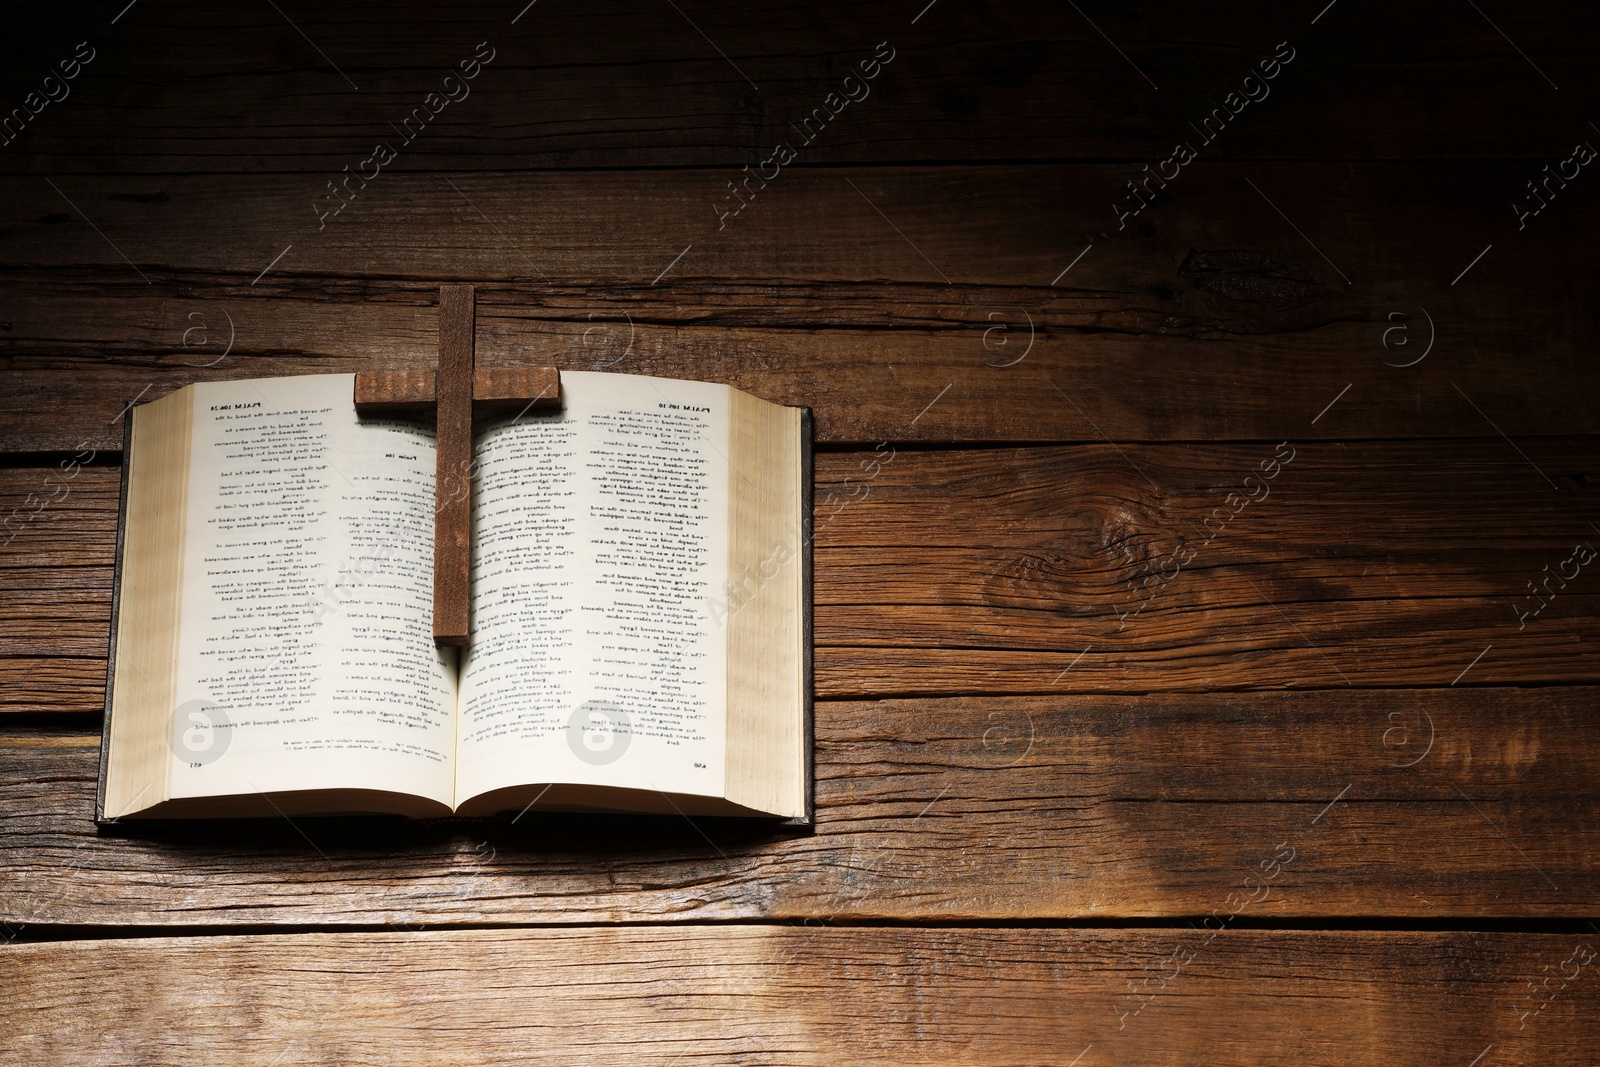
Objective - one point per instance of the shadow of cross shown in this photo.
(457, 391)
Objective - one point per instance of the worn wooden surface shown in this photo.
(189, 86)
(1140, 567)
(1209, 567)
(746, 994)
(452, 489)
(1208, 318)
(1426, 804)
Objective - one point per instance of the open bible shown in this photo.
(640, 597)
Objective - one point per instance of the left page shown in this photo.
(305, 655)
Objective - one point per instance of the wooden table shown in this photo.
(1184, 696)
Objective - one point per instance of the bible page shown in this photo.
(600, 540)
(306, 655)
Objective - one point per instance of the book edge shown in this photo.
(808, 740)
(100, 819)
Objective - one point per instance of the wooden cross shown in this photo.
(458, 391)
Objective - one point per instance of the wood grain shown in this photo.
(495, 390)
(761, 995)
(189, 86)
(1208, 318)
(452, 509)
(381, 392)
(1139, 568)
(1434, 804)
(512, 390)
(1365, 698)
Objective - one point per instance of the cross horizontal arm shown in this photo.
(495, 390)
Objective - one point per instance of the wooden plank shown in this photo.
(452, 489)
(780, 995)
(1208, 318)
(513, 390)
(1140, 568)
(58, 543)
(495, 390)
(379, 392)
(719, 83)
(1150, 567)
(52, 684)
(1447, 804)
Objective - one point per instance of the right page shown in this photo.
(600, 554)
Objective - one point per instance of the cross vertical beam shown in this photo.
(452, 516)
(456, 392)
